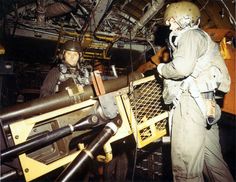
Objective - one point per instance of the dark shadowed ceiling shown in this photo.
(101, 23)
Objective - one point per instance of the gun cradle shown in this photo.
(139, 106)
(57, 154)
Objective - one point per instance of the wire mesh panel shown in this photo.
(145, 111)
(148, 102)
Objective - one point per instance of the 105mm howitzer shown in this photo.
(74, 125)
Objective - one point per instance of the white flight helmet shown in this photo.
(185, 13)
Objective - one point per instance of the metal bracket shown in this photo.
(108, 104)
(97, 82)
(107, 101)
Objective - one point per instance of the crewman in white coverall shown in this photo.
(190, 81)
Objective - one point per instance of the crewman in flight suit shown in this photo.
(69, 71)
(190, 81)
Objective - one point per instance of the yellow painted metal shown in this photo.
(91, 45)
(143, 80)
(92, 55)
(108, 154)
(125, 129)
(33, 169)
(2, 49)
(152, 121)
(147, 124)
(20, 130)
(146, 130)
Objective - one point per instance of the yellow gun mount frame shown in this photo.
(139, 106)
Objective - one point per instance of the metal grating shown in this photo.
(146, 103)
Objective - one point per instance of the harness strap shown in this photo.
(196, 94)
(183, 87)
(190, 85)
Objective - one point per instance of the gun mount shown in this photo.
(137, 103)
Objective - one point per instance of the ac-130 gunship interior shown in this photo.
(118, 122)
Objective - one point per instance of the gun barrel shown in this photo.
(36, 106)
(62, 99)
(83, 158)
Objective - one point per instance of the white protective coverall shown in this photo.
(194, 148)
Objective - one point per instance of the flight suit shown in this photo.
(50, 82)
(61, 76)
(194, 148)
